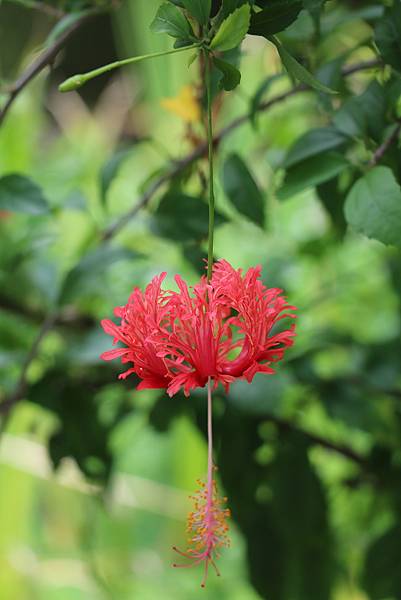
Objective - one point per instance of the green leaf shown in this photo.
(196, 256)
(311, 172)
(231, 76)
(382, 575)
(388, 36)
(263, 397)
(110, 170)
(314, 142)
(181, 43)
(170, 20)
(276, 16)
(298, 562)
(90, 269)
(314, 7)
(182, 218)
(303, 525)
(313, 4)
(373, 206)
(258, 95)
(296, 70)
(242, 190)
(83, 432)
(350, 118)
(200, 9)
(331, 195)
(227, 7)
(20, 194)
(232, 30)
(365, 114)
(75, 201)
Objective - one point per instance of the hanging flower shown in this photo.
(176, 340)
(224, 330)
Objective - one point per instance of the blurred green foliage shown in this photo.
(308, 185)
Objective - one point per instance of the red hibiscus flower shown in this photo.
(224, 330)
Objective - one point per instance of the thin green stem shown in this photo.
(210, 159)
(76, 81)
(209, 485)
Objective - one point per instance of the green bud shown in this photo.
(72, 83)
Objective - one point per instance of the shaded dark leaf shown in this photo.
(81, 434)
(171, 20)
(90, 268)
(182, 218)
(364, 114)
(242, 190)
(311, 172)
(276, 16)
(298, 71)
(200, 9)
(332, 198)
(231, 77)
(314, 142)
(382, 574)
(388, 36)
(20, 194)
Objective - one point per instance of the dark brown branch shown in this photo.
(382, 149)
(148, 194)
(180, 165)
(20, 388)
(345, 451)
(45, 59)
(14, 306)
(46, 9)
(68, 317)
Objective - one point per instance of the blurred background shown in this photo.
(94, 476)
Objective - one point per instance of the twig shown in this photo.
(148, 194)
(68, 317)
(43, 60)
(201, 150)
(20, 388)
(382, 149)
(345, 451)
(46, 9)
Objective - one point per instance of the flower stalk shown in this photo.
(207, 524)
(210, 265)
(208, 86)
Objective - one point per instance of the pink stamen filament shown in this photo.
(207, 522)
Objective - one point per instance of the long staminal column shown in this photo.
(207, 523)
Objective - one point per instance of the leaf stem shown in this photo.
(76, 81)
(210, 160)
